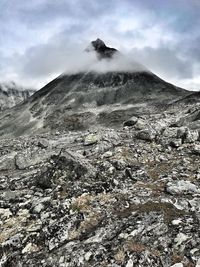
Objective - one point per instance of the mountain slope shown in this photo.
(96, 96)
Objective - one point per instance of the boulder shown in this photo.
(148, 134)
(181, 187)
(30, 157)
(7, 162)
(131, 122)
(91, 139)
(191, 136)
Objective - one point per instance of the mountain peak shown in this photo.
(98, 44)
(101, 49)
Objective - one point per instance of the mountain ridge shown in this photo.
(12, 94)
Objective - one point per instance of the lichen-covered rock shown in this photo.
(182, 187)
(7, 162)
(30, 157)
(170, 132)
(91, 139)
(148, 134)
(191, 136)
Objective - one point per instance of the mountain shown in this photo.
(12, 94)
(107, 93)
(127, 194)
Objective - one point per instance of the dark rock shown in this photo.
(131, 122)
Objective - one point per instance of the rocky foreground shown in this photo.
(108, 197)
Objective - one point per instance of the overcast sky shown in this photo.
(39, 38)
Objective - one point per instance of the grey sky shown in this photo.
(39, 39)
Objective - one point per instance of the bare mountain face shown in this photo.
(11, 95)
(105, 94)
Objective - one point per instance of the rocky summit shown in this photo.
(101, 49)
(118, 188)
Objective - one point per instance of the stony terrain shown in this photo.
(109, 197)
(101, 169)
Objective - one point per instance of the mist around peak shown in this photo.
(97, 57)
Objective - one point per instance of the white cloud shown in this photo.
(40, 39)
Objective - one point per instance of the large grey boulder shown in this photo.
(182, 187)
(147, 134)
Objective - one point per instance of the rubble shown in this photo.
(112, 197)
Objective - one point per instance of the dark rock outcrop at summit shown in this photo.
(101, 49)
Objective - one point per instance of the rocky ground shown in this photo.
(108, 197)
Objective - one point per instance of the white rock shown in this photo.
(180, 238)
(193, 251)
(107, 154)
(140, 124)
(5, 213)
(88, 255)
(91, 139)
(129, 263)
(176, 222)
(198, 263)
(111, 170)
(170, 132)
(191, 136)
(181, 187)
(38, 208)
(29, 248)
(62, 259)
(177, 265)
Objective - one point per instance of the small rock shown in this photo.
(198, 263)
(88, 256)
(147, 134)
(43, 143)
(130, 122)
(180, 238)
(62, 259)
(14, 241)
(176, 143)
(37, 209)
(107, 154)
(5, 214)
(129, 263)
(191, 136)
(29, 248)
(7, 162)
(181, 132)
(196, 149)
(176, 222)
(91, 139)
(177, 265)
(170, 132)
(140, 124)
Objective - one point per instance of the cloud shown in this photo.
(42, 38)
(163, 60)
